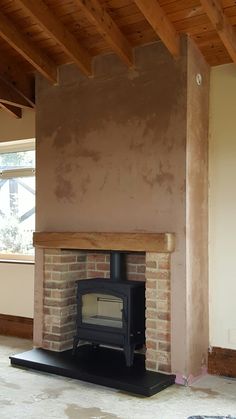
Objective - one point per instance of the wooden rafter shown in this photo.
(10, 96)
(16, 76)
(109, 30)
(222, 25)
(46, 19)
(12, 110)
(39, 60)
(161, 24)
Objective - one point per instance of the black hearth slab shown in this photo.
(101, 365)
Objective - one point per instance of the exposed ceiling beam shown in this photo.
(46, 19)
(12, 110)
(161, 24)
(24, 47)
(10, 96)
(222, 25)
(106, 26)
(16, 76)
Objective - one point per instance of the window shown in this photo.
(17, 199)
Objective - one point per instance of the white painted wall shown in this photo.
(17, 280)
(222, 210)
(17, 289)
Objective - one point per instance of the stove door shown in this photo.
(100, 309)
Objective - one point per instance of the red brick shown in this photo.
(141, 269)
(151, 264)
(56, 276)
(151, 365)
(47, 276)
(91, 266)
(151, 334)
(151, 354)
(164, 264)
(136, 277)
(163, 274)
(64, 259)
(163, 315)
(163, 357)
(151, 304)
(103, 266)
(164, 368)
(96, 257)
(131, 268)
(151, 324)
(163, 295)
(162, 336)
(164, 306)
(51, 337)
(163, 285)
(77, 266)
(164, 346)
(151, 275)
(150, 344)
(151, 294)
(63, 329)
(60, 267)
(95, 274)
(163, 326)
(52, 251)
(136, 258)
(151, 314)
(81, 258)
(151, 284)
(81, 275)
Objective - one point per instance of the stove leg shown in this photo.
(75, 344)
(129, 355)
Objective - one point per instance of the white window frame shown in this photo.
(11, 147)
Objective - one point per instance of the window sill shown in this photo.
(18, 261)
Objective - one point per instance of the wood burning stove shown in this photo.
(111, 311)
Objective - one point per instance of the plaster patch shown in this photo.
(64, 189)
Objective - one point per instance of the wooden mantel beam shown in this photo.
(139, 242)
(12, 110)
(11, 96)
(46, 19)
(106, 26)
(221, 23)
(161, 24)
(24, 47)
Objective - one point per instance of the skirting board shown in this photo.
(222, 361)
(20, 327)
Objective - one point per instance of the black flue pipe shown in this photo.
(117, 266)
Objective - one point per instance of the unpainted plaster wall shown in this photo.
(197, 212)
(111, 156)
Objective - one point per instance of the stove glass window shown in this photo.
(102, 310)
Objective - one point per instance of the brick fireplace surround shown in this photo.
(68, 257)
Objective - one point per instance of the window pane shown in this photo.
(17, 159)
(17, 215)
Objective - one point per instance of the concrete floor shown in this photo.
(28, 394)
